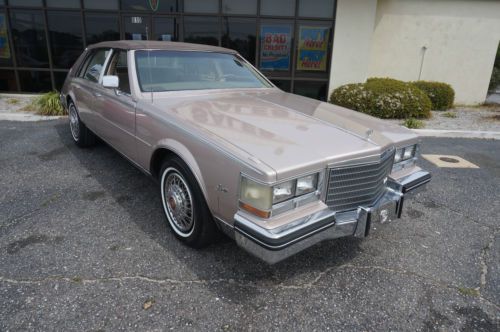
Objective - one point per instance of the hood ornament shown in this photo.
(368, 133)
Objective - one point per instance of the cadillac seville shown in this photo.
(232, 153)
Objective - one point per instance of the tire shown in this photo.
(184, 205)
(82, 136)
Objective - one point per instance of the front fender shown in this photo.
(183, 152)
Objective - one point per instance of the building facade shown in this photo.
(308, 47)
(289, 40)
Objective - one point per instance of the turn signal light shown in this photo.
(255, 211)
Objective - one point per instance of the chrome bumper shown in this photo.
(274, 245)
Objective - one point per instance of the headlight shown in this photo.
(259, 199)
(257, 196)
(306, 184)
(405, 153)
(283, 191)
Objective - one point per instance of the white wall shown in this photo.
(461, 39)
(354, 26)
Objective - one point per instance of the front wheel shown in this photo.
(185, 206)
(82, 136)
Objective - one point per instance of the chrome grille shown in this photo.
(358, 185)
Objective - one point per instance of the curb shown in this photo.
(27, 117)
(457, 133)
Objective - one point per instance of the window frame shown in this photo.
(83, 70)
(116, 52)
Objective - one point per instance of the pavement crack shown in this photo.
(46, 203)
(463, 214)
(427, 279)
(483, 261)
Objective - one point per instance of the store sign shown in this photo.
(313, 48)
(275, 46)
(154, 4)
(4, 39)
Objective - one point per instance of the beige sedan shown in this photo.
(232, 153)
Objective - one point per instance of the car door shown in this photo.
(116, 107)
(85, 84)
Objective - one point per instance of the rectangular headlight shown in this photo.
(255, 194)
(283, 191)
(307, 184)
(405, 153)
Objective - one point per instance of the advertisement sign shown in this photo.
(313, 48)
(4, 39)
(275, 46)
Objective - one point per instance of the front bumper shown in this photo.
(274, 245)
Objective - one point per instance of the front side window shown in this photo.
(93, 67)
(184, 70)
(118, 67)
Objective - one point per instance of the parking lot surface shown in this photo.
(84, 246)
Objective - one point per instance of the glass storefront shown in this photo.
(290, 41)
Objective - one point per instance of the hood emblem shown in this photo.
(368, 133)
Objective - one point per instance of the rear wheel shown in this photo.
(82, 136)
(185, 206)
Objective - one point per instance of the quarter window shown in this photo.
(94, 65)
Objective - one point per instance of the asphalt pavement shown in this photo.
(84, 246)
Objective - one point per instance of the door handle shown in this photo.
(97, 94)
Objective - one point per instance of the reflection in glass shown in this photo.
(5, 53)
(7, 80)
(100, 4)
(59, 77)
(277, 7)
(101, 27)
(311, 89)
(239, 6)
(201, 30)
(29, 38)
(65, 29)
(35, 81)
(63, 3)
(165, 28)
(26, 3)
(316, 8)
(201, 6)
(284, 85)
(239, 35)
(135, 31)
(151, 5)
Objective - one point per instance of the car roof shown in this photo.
(160, 45)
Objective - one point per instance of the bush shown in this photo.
(384, 98)
(48, 104)
(413, 123)
(441, 95)
(495, 79)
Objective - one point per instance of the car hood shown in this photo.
(288, 133)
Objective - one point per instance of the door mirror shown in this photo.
(110, 81)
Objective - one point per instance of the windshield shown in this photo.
(186, 70)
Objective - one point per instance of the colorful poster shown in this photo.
(313, 48)
(4, 39)
(275, 46)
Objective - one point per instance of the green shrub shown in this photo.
(495, 78)
(384, 98)
(48, 104)
(450, 115)
(413, 123)
(441, 95)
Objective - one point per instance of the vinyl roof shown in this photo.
(160, 45)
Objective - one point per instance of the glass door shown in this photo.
(137, 27)
(165, 28)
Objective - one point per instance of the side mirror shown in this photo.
(110, 81)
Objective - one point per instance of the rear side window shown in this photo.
(92, 69)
